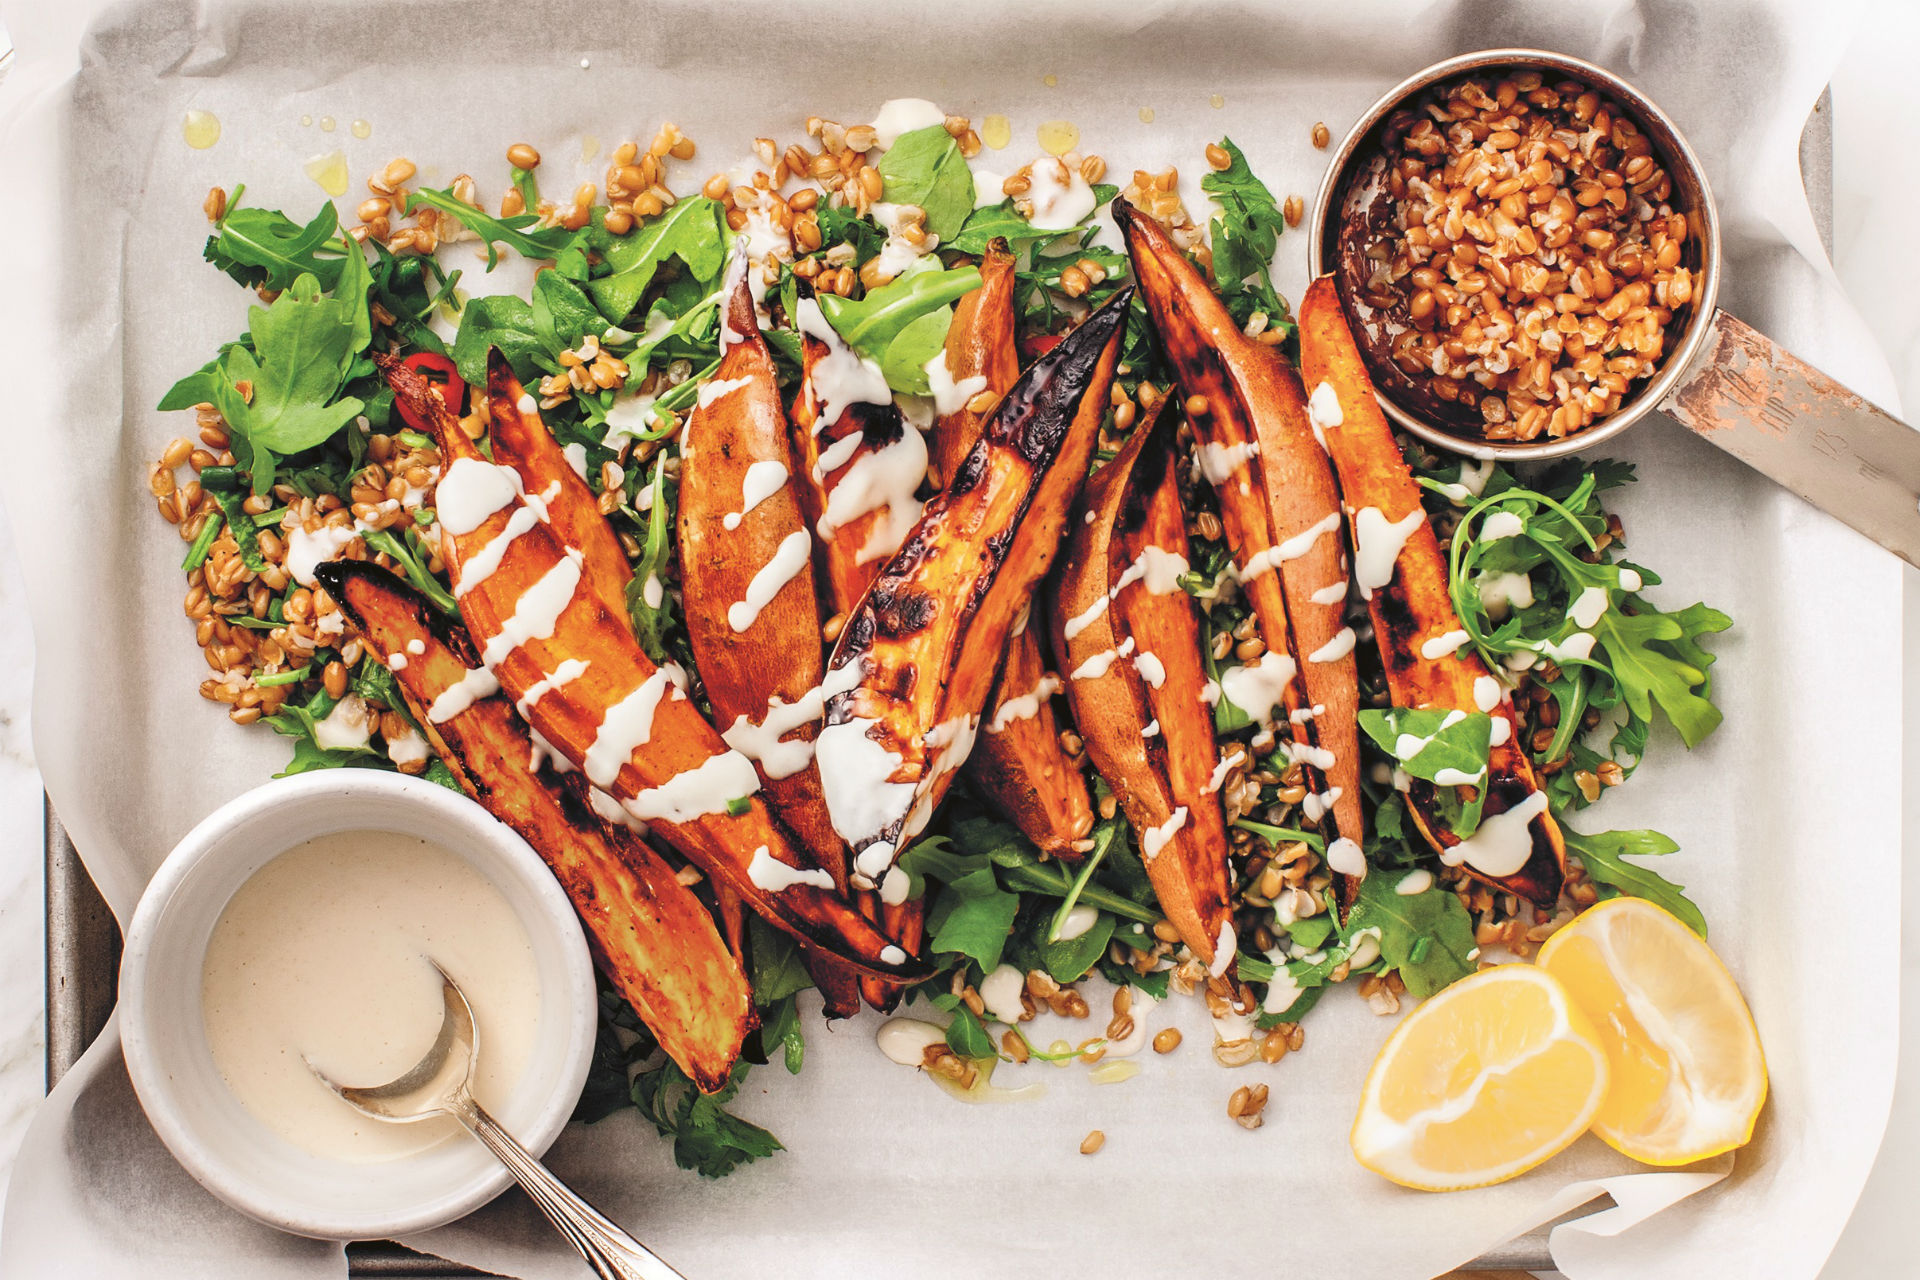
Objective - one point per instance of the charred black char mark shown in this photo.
(1036, 413)
(337, 576)
(1395, 628)
(899, 610)
(1148, 473)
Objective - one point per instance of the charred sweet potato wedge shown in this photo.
(912, 669)
(1280, 505)
(1017, 762)
(1405, 582)
(1132, 646)
(746, 573)
(652, 936)
(859, 462)
(522, 442)
(574, 669)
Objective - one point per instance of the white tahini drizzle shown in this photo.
(1344, 855)
(762, 481)
(1486, 693)
(844, 377)
(1259, 687)
(775, 876)
(1060, 195)
(567, 672)
(1218, 462)
(1154, 839)
(1323, 411)
(950, 396)
(882, 479)
(1376, 546)
(463, 693)
(1442, 645)
(627, 726)
(788, 560)
(1501, 524)
(1335, 649)
(471, 490)
(1587, 607)
(1503, 843)
(1026, 706)
(1289, 548)
(699, 792)
(716, 388)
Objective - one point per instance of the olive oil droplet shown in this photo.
(201, 129)
(330, 172)
(1050, 80)
(1057, 137)
(1216, 102)
(589, 148)
(996, 132)
(361, 129)
(306, 122)
(326, 124)
(1146, 115)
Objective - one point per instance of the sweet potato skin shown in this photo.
(923, 646)
(1152, 742)
(1277, 493)
(651, 935)
(1415, 606)
(1019, 767)
(529, 617)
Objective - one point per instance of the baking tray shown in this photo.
(83, 941)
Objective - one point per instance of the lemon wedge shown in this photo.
(1482, 1082)
(1689, 1077)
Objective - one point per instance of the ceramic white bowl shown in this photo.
(216, 1138)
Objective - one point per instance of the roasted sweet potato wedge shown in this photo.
(911, 672)
(746, 572)
(1401, 570)
(652, 936)
(578, 675)
(1132, 647)
(859, 462)
(1280, 505)
(561, 495)
(1017, 762)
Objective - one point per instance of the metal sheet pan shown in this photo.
(83, 942)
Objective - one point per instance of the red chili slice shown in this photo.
(441, 373)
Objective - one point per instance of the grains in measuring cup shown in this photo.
(1521, 264)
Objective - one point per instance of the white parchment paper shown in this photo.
(1788, 817)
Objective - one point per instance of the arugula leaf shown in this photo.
(1431, 741)
(967, 1035)
(264, 248)
(925, 168)
(304, 342)
(516, 232)
(1068, 959)
(1244, 238)
(997, 221)
(1604, 854)
(651, 618)
(502, 321)
(1426, 936)
(690, 231)
(973, 918)
(887, 317)
(1656, 657)
(562, 312)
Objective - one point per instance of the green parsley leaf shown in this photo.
(925, 168)
(1604, 854)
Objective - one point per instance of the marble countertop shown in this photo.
(1876, 129)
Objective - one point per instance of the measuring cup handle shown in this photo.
(610, 1251)
(1794, 424)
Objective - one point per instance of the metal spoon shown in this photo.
(438, 1085)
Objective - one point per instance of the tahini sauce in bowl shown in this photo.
(323, 956)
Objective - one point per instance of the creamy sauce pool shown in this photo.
(322, 955)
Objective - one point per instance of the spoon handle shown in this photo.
(610, 1251)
